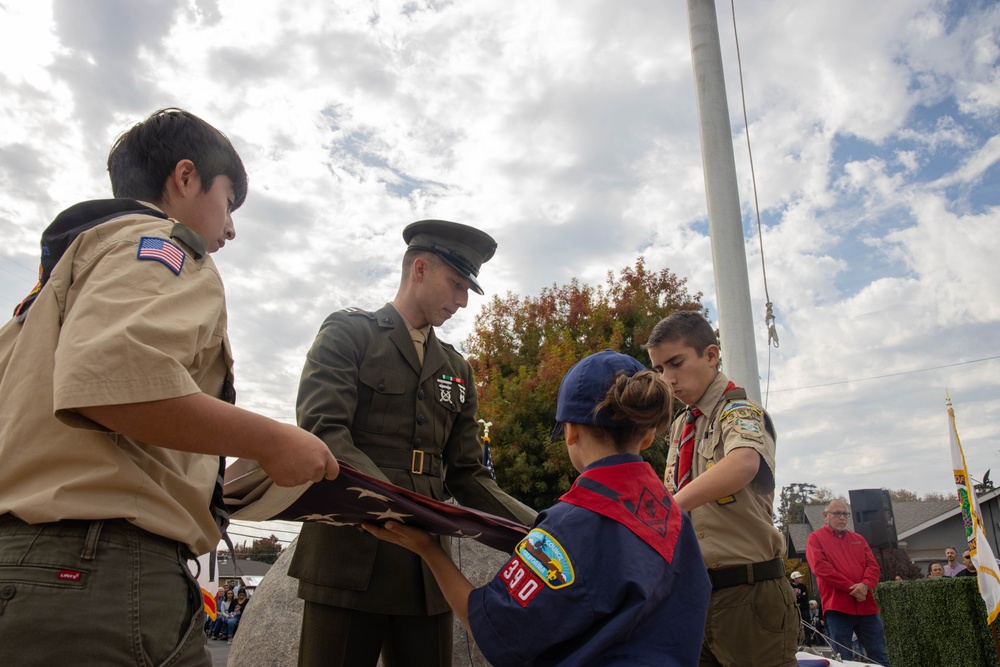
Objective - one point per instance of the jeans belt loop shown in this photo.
(90, 544)
(750, 573)
(417, 468)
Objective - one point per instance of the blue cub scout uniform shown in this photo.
(610, 575)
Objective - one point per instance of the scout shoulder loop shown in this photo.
(68, 225)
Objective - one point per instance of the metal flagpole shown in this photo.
(725, 223)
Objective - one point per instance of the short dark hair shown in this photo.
(144, 156)
(687, 326)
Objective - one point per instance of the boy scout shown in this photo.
(111, 423)
(395, 402)
(722, 448)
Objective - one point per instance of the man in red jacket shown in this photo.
(847, 574)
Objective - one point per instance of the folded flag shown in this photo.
(354, 498)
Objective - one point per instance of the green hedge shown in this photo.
(936, 623)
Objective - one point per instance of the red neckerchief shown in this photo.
(632, 495)
(682, 475)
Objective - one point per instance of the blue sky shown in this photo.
(569, 131)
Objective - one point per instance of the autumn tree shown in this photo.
(521, 348)
(264, 550)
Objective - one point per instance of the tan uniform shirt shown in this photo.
(108, 329)
(737, 529)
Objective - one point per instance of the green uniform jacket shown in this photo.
(364, 393)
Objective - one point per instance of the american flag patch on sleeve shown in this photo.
(162, 250)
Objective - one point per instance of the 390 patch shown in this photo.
(546, 557)
(522, 584)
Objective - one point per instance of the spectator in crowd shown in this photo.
(847, 574)
(236, 613)
(816, 625)
(220, 629)
(970, 569)
(952, 567)
(220, 595)
(801, 599)
(935, 571)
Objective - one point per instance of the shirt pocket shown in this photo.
(380, 399)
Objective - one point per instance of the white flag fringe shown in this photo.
(982, 555)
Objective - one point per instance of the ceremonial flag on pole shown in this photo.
(982, 555)
(209, 601)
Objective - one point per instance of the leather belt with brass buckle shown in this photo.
(415, 467)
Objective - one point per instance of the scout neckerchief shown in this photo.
(69, 224)
(686, 453)
(631, 494)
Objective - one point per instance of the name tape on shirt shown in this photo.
(546, 557)
(163, 251)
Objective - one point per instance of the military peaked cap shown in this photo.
(463, 248)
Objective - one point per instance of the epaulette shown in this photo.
(359, 311)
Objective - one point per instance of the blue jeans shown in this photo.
(871, 636)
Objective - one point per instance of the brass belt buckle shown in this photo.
(417, 468)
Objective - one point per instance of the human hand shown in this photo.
(415, 539)
(298, 457)
(859, 592)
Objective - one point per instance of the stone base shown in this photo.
(269, 631)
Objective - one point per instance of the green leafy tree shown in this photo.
(793, 500)
(522, 347)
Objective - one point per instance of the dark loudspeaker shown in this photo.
(871, 510)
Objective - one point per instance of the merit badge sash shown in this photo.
(632, 495)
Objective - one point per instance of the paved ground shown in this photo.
(219, 651)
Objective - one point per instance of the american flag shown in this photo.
(163, 251)
(354, 498)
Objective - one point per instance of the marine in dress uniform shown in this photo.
(367, 393)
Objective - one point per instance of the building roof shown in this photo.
(247, 567)
(910, 517)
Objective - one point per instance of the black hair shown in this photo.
(145, 155)
(641, 402)
(687, 326)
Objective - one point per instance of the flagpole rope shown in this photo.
(769, 319)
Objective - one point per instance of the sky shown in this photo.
(569, 131)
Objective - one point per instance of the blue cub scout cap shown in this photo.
(586, 385)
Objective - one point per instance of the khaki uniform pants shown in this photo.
(753, 625)
(96, 593)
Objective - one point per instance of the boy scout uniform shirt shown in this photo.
(365, 393)
(737, 529)
(110, 328)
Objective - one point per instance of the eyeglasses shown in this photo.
(842, 515)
